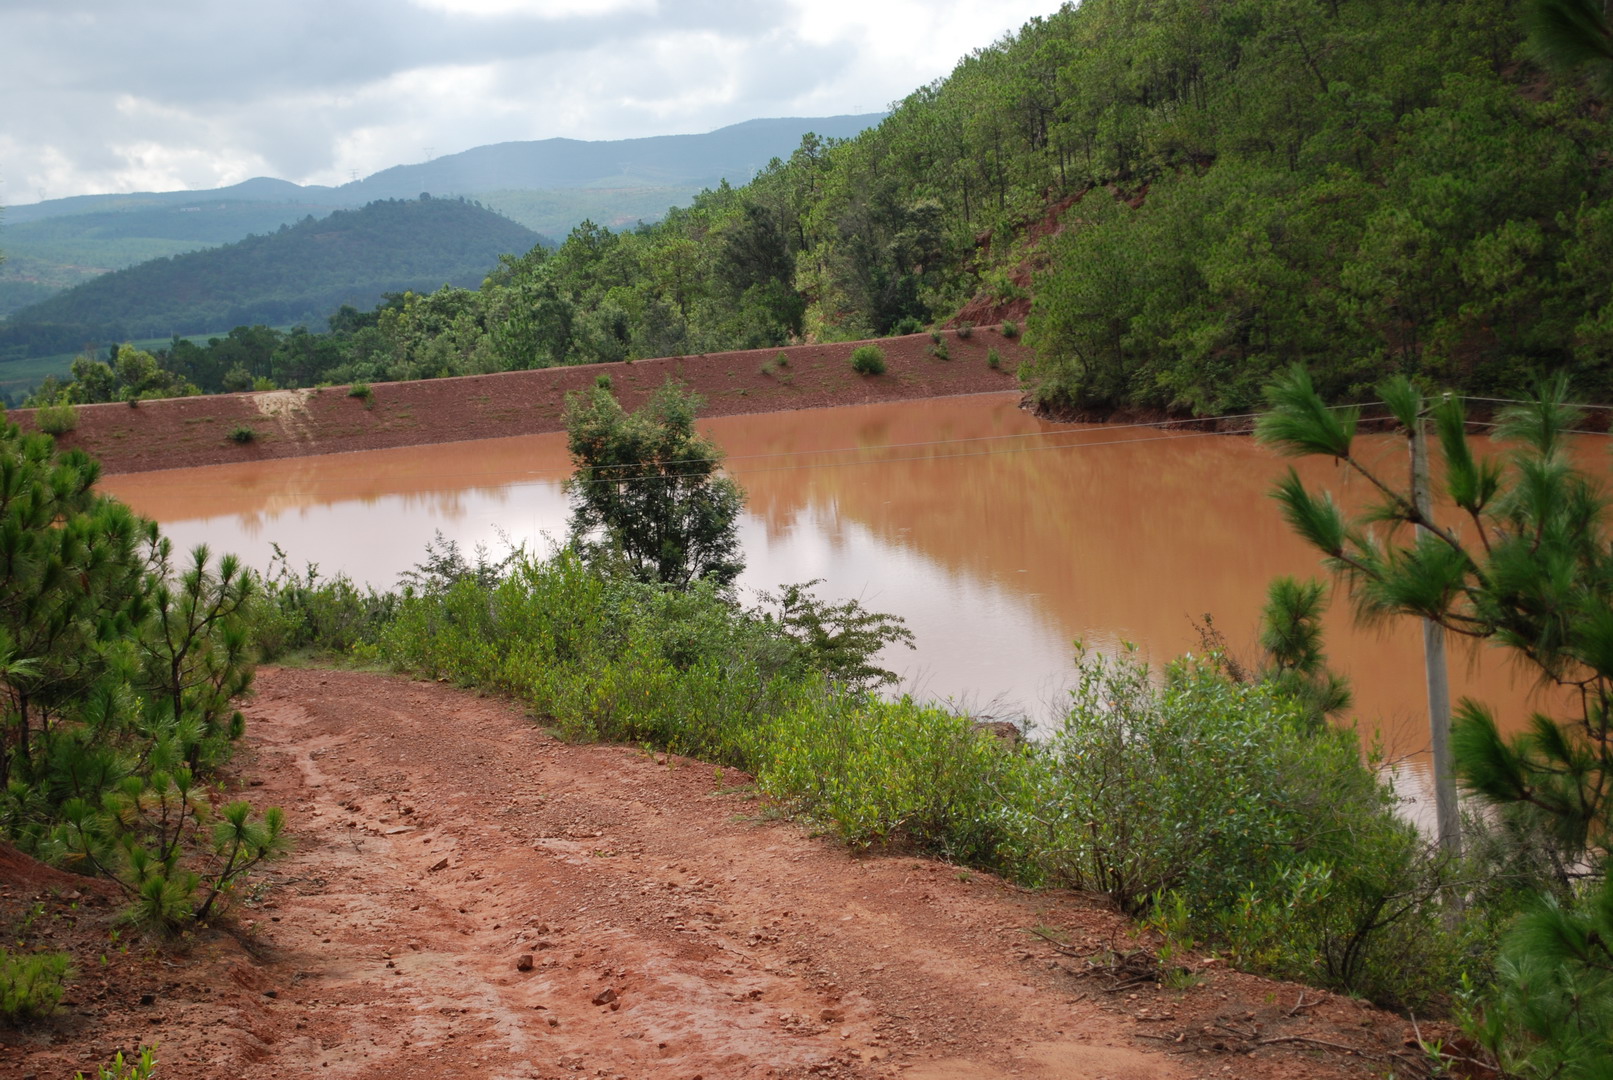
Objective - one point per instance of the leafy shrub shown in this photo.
(875, 771)
(32, 984)
(602, 381)
(907, 324)
(364, 392)
(327, 616)
(782, 359)
(1288, 850)
(994, 359)
(940, 351)
(966, 330)
(56, 419)
(243, 434)
(936, 337)
(868, 360)
(1010, 329)
(142, 1068)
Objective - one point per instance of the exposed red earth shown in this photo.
(470, 897)
(182, 432)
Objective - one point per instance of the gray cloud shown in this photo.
(112, 96)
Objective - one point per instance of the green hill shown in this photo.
(1171, 198)
(1186, 196)
(549, 186)
(297, 274)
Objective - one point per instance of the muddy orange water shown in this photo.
(1001, 538)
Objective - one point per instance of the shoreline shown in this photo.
(175, 433)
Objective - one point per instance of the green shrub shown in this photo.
(876, 771)
(244, 433)
(782, 359)
(142, 1068)
(32, 984)
(994, 359)
(1550, 1011)
(56, 419)
(936, 337)
(1288, 851)
(1010, 329)
(602, 381)
(868, 360)
(940, 351)
(330, 616)
(364, 392)
(966, 330)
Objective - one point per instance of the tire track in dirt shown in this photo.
(471, 898)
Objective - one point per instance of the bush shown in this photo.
(1288, 852)
(56, 419)
(868, 360)
(32, 984)
(243, 434)
(876, 771)
(328, 616)
(142, 1068)
(363, 392)
(966, 330)
(1010, 329)
(940, 351)
(907, 324)
(602, 381)
(994, 359)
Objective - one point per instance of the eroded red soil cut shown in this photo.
(470, 897)
(184, 432)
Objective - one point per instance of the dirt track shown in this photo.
(674, 929)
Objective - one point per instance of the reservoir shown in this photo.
(1001, 538)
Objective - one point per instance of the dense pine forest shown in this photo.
(1175, 199)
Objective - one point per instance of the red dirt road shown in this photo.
(674, 928)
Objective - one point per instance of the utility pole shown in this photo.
(1447, 815)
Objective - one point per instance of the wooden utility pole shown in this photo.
(1449, 818)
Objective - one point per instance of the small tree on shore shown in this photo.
(1526, 562)
(647, 492)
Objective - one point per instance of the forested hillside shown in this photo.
(548, 185)
(1183, 196)
(297, 274)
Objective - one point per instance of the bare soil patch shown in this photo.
(184, 432)
(470, 897)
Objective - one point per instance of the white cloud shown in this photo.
(542, 9)
(195, 93)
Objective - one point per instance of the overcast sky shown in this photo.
(158, 95)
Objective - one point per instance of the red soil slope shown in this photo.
(182, 432)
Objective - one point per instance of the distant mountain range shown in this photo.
(297, 274)
(549, 186)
